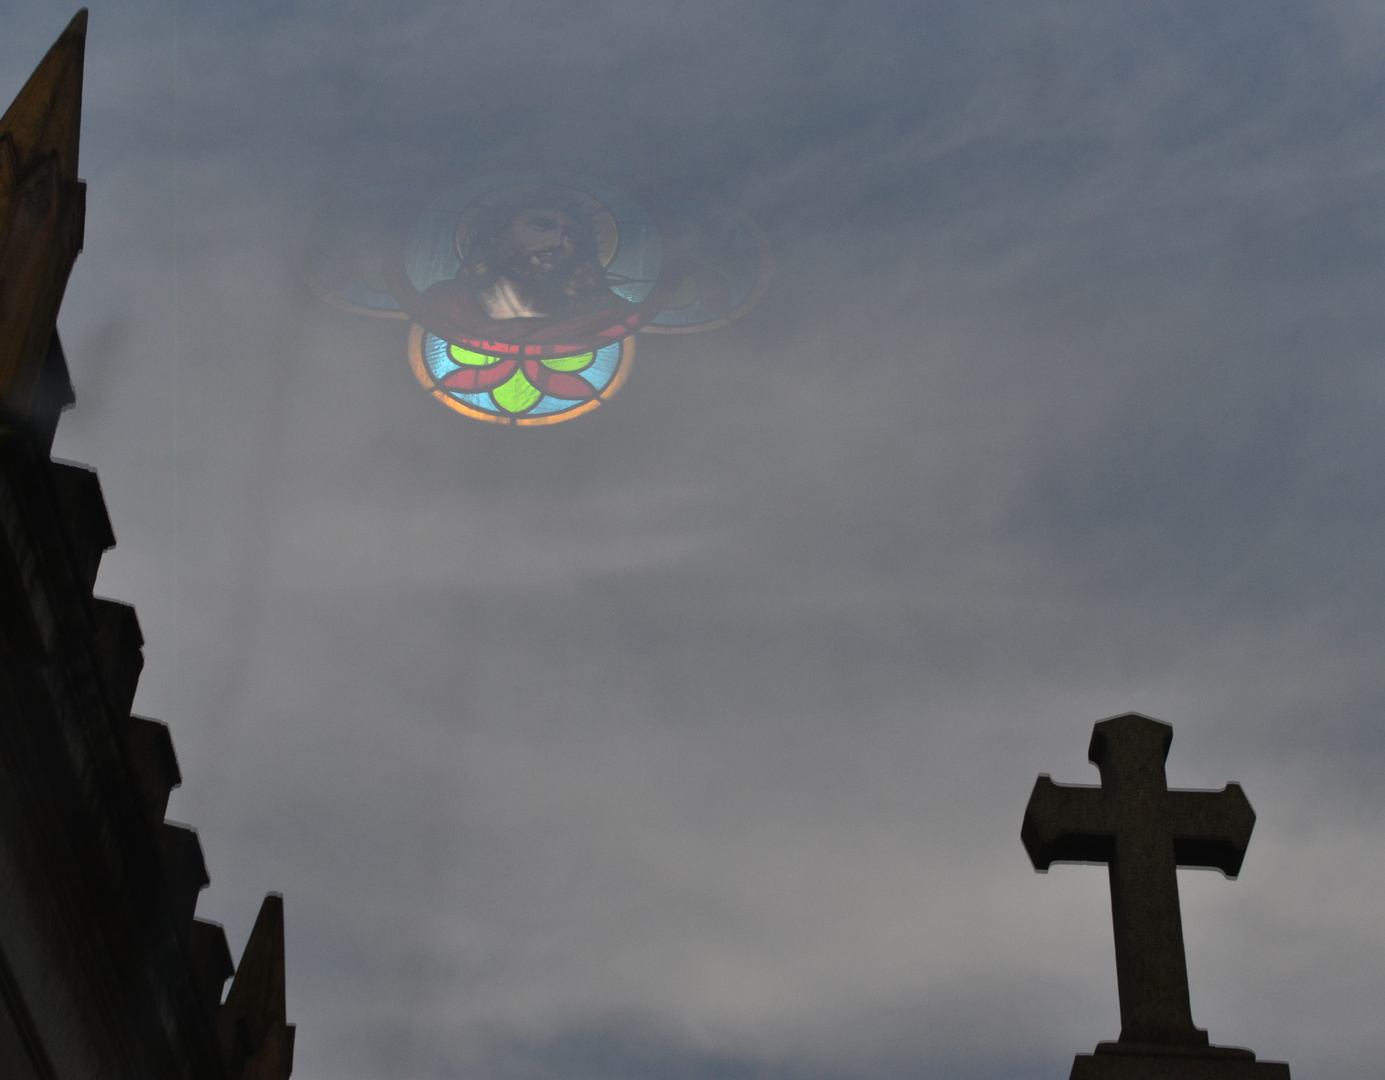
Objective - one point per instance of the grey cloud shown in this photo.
(692, 737)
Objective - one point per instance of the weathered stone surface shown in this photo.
(118, 642)
(1143, 832)
(185, 869)
(42, 218)
(1136, 1061)
(153, 763)
(211, 961)
(104, 972)
(256, 1038)
(84, 517)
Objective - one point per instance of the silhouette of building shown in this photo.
(104, 971)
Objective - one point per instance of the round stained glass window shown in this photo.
(506, 386)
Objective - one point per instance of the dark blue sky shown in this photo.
(692, 738)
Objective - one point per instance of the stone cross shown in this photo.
(1143, 832)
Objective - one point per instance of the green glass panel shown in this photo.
(516, 394)
(475, 359)
(570, 363)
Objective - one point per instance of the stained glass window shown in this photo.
(517, 389)
(526, 289)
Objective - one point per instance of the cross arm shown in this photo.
(1211, 828)
(1065, 823)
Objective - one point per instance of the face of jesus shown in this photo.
(541, 241)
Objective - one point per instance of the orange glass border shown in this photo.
(420, 369)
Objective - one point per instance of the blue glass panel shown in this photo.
(435, 357)
(430, 254)
(603, 368)
(549, 405)
(635, 267)
(691, 315)
(478, 401)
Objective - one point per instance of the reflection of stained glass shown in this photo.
(726, 266)
(511, 389)
(526, 288)
(631, 249)
(342, 255)
(473, 267)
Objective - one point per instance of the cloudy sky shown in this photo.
(692, 738)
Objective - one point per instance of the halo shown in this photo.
(603, 221)
(634, 246)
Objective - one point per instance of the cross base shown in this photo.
(1172, 1061)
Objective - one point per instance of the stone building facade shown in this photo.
(105, 972)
